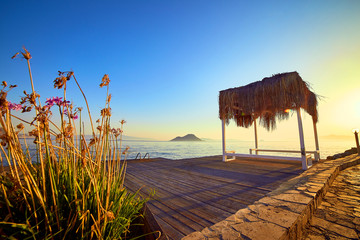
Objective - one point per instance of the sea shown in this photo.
(175, 150)
(180, 150)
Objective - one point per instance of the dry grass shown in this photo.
(268, 100)
(74, 188)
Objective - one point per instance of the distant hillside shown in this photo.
(189, 137)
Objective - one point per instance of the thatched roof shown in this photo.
(267, 99)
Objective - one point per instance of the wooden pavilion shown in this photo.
(269, 100)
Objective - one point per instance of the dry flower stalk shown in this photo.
(74, 180)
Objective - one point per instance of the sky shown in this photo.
(168, 60)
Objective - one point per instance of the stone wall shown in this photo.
(283, 213)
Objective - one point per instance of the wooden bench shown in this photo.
(316, 153)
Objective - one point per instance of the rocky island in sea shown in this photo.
(188, 137)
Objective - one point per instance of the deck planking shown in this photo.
(192, 194)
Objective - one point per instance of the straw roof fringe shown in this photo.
(267, 100)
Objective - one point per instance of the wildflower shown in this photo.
(49, 102)
(25, 54)
(31, 98)
(106, 112)
(99, 128)
(20, 126)
(83, 158)
(3, 102)
(14, 106)
(69, 131)
(71, 115)
(69, 74)
(83, 152)
(122, 122)
(15, 55)
(4, 139)
(98, 121)
(77, 111)
(65, 103)
(58, 138)
(59, 82)
(110, 215)
(4, 84)
(93, 141)
(116, 132)
(126, 150)
(26, 109)
(56, 100)
(105, 81)
(33, 132)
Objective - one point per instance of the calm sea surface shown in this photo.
(181, 150)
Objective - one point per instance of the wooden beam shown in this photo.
(263, 156)
(256, 138)
(317, 155)
(302, 142)
(223, 140)
(284, 151)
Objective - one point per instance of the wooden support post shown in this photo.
(317, 155)
(223, 140)
(302, 143)
(256, 138)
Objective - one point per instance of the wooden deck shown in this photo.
(192, 194)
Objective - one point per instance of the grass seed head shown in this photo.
(106, 112)
(20, 126)
(126, 150)
(105, 81)
(59, 82)
(26, 54)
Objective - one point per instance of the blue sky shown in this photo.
(167, 60)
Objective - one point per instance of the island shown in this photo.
(189, 137)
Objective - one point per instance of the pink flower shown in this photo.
(14, 106)
(73, 116)
(51, 101)
(56, 100)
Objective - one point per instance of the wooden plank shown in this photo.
(195, 193)
(277, 150)
(152, 227)
(204, 183)
(263, 156)
(184, 198)
(194, 217)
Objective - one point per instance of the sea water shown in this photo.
(175, 150)
(181, 150)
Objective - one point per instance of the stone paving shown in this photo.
(338, 216)
(285, 212)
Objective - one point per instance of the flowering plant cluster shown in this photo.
(73, 187)
(56, 101)
(14, 106)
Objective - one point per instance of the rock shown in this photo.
(189, 137)
(344, 154)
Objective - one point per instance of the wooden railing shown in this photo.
(316, 153)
